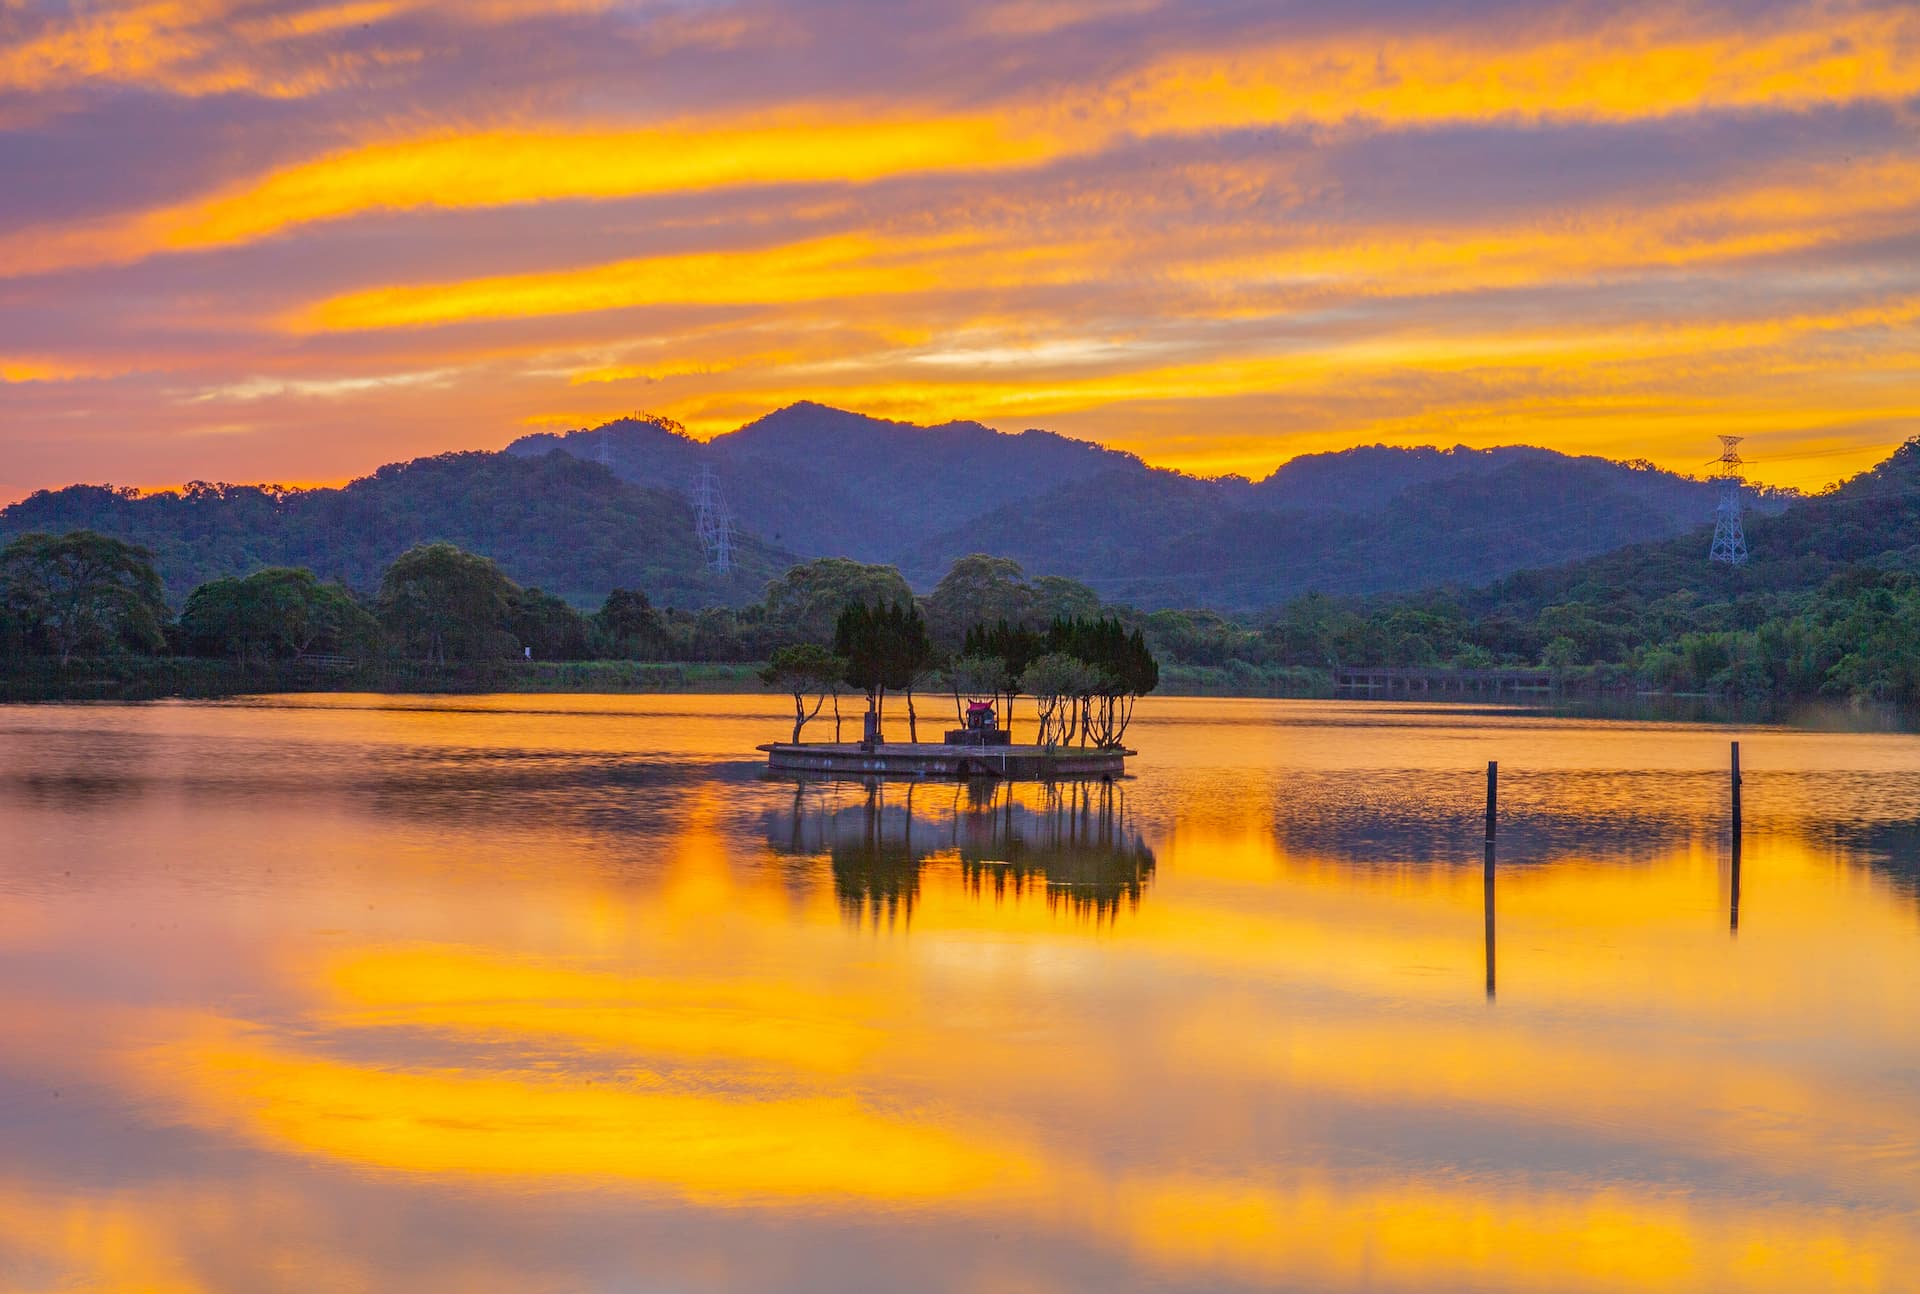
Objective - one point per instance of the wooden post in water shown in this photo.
(1493, 805)
(1733, 907)
(1493, 793)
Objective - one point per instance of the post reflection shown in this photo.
(1487, 903)
(1071, 843)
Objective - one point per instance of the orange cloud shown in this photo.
(1604, 73)
(1645, 71)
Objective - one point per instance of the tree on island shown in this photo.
(1014, 647)
(1059, 684)
(1123, 668)
(1085, 674)
(276, 612)
(83, 591)
(885, 646)
(807, 668)
(977, 675)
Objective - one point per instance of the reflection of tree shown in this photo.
(875, 870)
(1892, 847)
(1070, 843)
(1393, 817)
(1078, 844)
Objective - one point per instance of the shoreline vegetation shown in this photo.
(129, 679)
(1824, 619)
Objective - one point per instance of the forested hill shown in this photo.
(582, 513)
(825, 482)
(828, 483)
(1163, 540)
(1871, 520)
(555, 522)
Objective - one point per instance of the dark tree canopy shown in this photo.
(440, 604)
(82, 592)
(551, 628)
(276, 613)
(568, 526)
(805, 603)
(885, 646)
(627, 614)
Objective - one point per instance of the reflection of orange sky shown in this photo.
(77, 1243)
(457, 1004)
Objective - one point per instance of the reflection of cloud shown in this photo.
(714, 1148)
(660, 1016)
(1428, 1235)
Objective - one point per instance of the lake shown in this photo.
(561, 993)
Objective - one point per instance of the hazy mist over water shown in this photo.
(562, 993)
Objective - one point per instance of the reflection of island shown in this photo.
(1070, 843)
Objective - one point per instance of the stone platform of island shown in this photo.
(925, 759)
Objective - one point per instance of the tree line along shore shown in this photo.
(83, 615)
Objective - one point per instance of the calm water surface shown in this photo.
(559, 993)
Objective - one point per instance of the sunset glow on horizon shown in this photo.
(291, 240)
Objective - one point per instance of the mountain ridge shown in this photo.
(572, 512)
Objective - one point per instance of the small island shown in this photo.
(926, 759)
(1084, 676)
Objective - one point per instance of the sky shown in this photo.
(291, 241)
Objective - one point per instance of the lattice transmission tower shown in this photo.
(1729, 541)
(713, 522)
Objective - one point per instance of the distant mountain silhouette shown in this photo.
(823, 481)
(582, 512)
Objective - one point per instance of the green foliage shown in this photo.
(980, 676)
(567, 526)
(801, 669)
(547, 625)
(276, 613)
(81, 592)
(979, 589)
(885, 646)
(1059, 683)
(805, 604)
(627, 626)
(1121, 660)
(1013, 646)
(440, 604)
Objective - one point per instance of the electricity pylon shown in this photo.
(1729, 541)
(713, 522)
